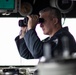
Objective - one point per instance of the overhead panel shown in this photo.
(21, 8)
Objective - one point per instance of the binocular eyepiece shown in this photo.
(23, 23)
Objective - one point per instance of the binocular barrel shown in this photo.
(23, 23)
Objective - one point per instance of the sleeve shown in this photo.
(22, 48)
(34, 44)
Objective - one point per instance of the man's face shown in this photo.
(47, 26)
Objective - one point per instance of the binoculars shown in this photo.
(23, 22)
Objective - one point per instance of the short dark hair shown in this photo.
(54, 11)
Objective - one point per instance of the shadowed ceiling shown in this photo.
(67, 7)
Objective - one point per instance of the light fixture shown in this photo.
(64, 6)
(25, 8)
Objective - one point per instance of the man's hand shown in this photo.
(22, 32)
(32, 21)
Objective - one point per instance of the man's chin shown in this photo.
(45, 33)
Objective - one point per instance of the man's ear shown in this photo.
(55, 21)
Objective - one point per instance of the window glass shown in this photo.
(9, 29)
